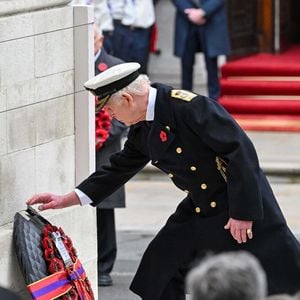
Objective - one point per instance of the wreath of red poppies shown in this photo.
(102, 127)
(80, 285)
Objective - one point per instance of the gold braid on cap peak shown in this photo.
(100, 103)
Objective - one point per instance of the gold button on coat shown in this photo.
(203, 186)
(197, 210)
(193, 168)
(213, 204)
(171, 175)
(178, 150)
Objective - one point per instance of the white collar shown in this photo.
(97, 55)
(151, 104)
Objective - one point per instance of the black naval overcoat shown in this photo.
(204, 151)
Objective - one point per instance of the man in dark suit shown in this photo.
(229, 204)
(108, 141)
(201, 26)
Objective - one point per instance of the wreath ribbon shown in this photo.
(59, 283)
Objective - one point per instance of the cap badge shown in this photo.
(163, 136)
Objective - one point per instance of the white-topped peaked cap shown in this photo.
(112, 80)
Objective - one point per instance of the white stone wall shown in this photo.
(39, 111)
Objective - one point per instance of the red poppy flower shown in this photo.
(102, 67)
(163, 136)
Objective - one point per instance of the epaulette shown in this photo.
(183, 95)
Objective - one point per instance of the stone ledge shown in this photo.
(11, 7)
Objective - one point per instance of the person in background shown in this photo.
(104, 22)
(133, 24)
(201, 26)
(229, 204)
(109, 133)
(127, 27)
(228, 276)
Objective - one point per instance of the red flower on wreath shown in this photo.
(102, 127)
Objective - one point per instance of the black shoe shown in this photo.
(104, 280)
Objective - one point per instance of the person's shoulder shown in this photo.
(114, 60)
(109, 59)
(182, 95)
(186, 100)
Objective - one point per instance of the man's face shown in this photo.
(123, 109)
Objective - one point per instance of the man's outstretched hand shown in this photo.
(51, 201)
(240, 230)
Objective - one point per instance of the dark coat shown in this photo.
(8, 295)
(204, 151)
(214, 32)
(113, 143)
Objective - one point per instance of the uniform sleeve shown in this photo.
(217, 129)
(123, 166)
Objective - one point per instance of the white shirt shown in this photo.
(116, 8)
(84, 199)
(151, 104)
(97, 55)
(138, 13)
(103, 16)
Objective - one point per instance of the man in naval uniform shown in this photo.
(229, 203)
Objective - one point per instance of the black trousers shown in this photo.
(106, 237)
(132, 44)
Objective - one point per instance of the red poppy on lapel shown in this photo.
(163, 136)
(102, 67)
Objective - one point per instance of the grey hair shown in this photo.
(139, 86)
(284, 297)
(228, 276)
